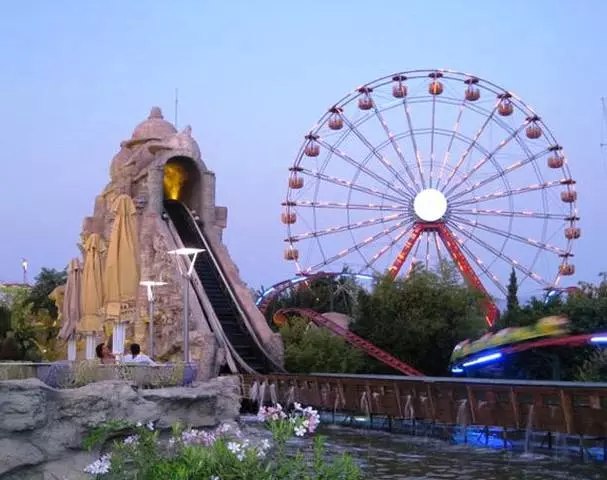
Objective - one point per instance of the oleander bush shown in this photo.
(222, 454)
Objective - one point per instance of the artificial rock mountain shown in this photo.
(157, 163)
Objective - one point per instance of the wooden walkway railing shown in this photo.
(565, 407)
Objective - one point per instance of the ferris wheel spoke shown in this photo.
(485, 159)
(432, 148)
(347, 206)
(363, 168)
(477, 135)
(386, 248)
(509, 169)
(351, 226)
(454, 133)
(358, 246)
(427, 250)
(438, 250)
(351, 185)
(398, 151)
(480, 264)
(418, 157)
(527, 241)
(513, 263)
(508, 213)
(414, 260)
(373, 150)
(508, 193)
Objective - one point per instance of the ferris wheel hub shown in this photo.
(430, 205)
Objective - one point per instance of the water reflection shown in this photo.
(390, 456)
(387, 456)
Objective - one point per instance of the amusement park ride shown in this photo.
(425, 165)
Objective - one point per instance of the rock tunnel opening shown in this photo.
(181, 181)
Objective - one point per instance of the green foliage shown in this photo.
(31, 318)
(322, 295)
(5, 319)
(419, 319)
(312, 349)
(512, 303)
(587, 312)
(46, 281)
(9, 348)
(102, 434)
(593, 369)
(586, 309)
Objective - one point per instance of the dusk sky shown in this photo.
(77, 76)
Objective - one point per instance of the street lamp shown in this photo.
(191, 253)
(149, 285)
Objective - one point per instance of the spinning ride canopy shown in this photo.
(432, 165)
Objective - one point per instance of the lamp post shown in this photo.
(191, 253)
(149, 285)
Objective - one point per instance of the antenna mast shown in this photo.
(24, 266)
(176, 107)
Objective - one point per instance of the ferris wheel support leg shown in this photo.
(491, 311)
(404, 253)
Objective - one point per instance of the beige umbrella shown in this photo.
(91, 299)
(58, 297)
(70, 311)
(122, 272)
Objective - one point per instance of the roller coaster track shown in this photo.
(360, 343)
(264, 300)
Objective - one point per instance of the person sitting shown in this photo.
(104, 354)
(137, 357)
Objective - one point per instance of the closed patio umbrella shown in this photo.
(91, 298)
(122, 269)
(71, 308)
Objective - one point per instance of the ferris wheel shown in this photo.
(428, 165)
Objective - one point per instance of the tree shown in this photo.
(47, 280)
(28, 318)
(329, 294)
(312, 349)
(5, 320)
(512, 299)
(594, 369)
(420, 319)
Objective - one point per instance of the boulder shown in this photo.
(42, 429)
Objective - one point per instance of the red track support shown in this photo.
(353, 339)
(404, 253)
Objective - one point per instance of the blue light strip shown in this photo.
(599, 339)
(483, 359)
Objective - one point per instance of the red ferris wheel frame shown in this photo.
(458, 257)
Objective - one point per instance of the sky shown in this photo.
(76, 78)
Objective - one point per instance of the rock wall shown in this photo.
(42, 429)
